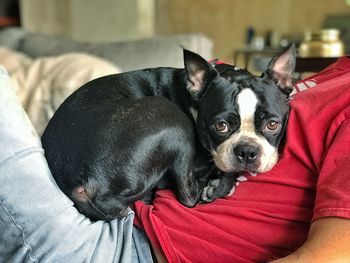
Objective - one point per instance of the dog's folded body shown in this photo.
(117, 137)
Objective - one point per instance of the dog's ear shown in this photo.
(199, 72)
(281, 68)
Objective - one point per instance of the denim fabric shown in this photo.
(38, 223)
(141, 247)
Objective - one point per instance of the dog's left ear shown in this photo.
(281, 68)
(199, 72)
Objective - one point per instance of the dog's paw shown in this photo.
(208, 193)
(219, 188)
(233, 189)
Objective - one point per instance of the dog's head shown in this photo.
(240, 117)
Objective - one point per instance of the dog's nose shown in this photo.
(246, 153)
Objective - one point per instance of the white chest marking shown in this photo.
(194, 113)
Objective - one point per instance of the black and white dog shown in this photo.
(119, 136)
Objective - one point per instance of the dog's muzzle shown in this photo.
(245, 155)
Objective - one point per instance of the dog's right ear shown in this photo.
(281, 68)
(199, 72)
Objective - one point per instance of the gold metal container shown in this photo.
(323, 43)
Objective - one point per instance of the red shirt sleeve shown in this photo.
(333, 185)
(333, 162)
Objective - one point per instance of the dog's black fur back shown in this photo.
(120, 150)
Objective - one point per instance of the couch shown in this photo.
(46, 69)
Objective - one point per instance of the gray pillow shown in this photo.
(128, 55)
(12, 37)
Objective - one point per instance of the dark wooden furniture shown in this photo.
(314, 64)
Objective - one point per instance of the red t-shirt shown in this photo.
(269, 215)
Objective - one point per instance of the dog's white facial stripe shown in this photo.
(247, 102)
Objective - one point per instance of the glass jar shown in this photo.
(323, 43)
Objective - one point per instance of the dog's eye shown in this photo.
(221, 127)
(272, 126)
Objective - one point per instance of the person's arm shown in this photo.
(328, 241)
(159, 255)
(329, 235)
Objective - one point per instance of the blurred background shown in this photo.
(236, 27)
(51, 47)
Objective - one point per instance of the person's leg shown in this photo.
(38, 223)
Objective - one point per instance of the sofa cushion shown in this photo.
(13, 60)
(12, 37)
(43, 84)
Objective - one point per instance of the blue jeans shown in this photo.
(38, 223)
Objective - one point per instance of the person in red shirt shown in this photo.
(302, 205)
(297, 212)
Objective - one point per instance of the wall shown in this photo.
(226, 21)
(106, 21)
(90, 20)
(46, 16)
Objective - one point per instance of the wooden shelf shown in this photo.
(8, 21)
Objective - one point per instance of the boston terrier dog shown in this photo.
(118, 137)
(247, 118)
